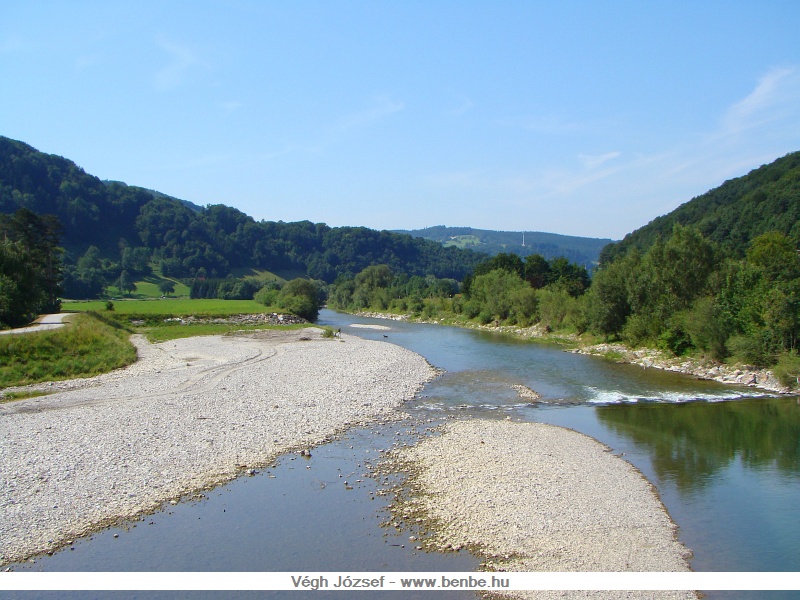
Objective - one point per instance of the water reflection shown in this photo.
(691, 443)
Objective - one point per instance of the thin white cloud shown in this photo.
(592, 161)
(181, 60)
(776, 96)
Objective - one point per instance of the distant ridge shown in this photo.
(582, 250)
(157, 194)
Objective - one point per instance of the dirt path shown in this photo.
(41, 324)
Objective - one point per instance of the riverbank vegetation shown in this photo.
(173, 318)
(685, 295)
(96, 339)
(717, 279)
(91, 344)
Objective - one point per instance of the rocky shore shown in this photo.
(644, 357)
(534, 497)
(190, 414)
(648, 358)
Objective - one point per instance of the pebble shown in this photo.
(256, 388)
(564, 504)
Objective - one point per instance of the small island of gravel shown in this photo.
(191, 413)
(535, 497)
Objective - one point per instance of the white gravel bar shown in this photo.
(191, 413)
(535, 497)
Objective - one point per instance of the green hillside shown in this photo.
(731, 215)
(719, 275)
(111, 229)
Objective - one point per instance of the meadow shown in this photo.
(95, 339)
(181, 307)
(88, 345)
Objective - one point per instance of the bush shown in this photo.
(639, 329)
(748, 349)
(706, 328)
(415, 304)
(300, 297)
(398, 304)
(787, 370)
(471, 309)
(674, 339)
(485, 317)
(268, 294)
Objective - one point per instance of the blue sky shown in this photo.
(581, 118)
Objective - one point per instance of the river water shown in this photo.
(725, 461)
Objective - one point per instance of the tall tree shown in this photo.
(30, 264)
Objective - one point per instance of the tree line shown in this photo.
(685, 294)
(30, 267)
(503, 288)
(114, 232)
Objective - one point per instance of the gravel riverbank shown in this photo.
(191, 413)
(534, 497)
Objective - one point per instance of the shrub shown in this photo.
(300, 297)
(787, 370)
(748, 349)
(485, 317)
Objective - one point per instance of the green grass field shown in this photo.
(149, 317)
(180, 307)
(89, 345)
(96, 340)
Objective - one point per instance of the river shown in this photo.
(725, 461)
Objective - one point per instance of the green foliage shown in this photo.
(180, 307)
(166, 287)
(681, 297)
(787, 369)
(89, 345)
(505, 261)
(125, 283)
(558, 309)
(30, 266)
(180, 238)
(300, 297)
(765, 200)
(500, 295)
(707, 328)
(268, 293)
(609, 299)
(537, 271)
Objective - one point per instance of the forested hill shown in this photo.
(120, 221)
(766, 199)
(581, 250)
